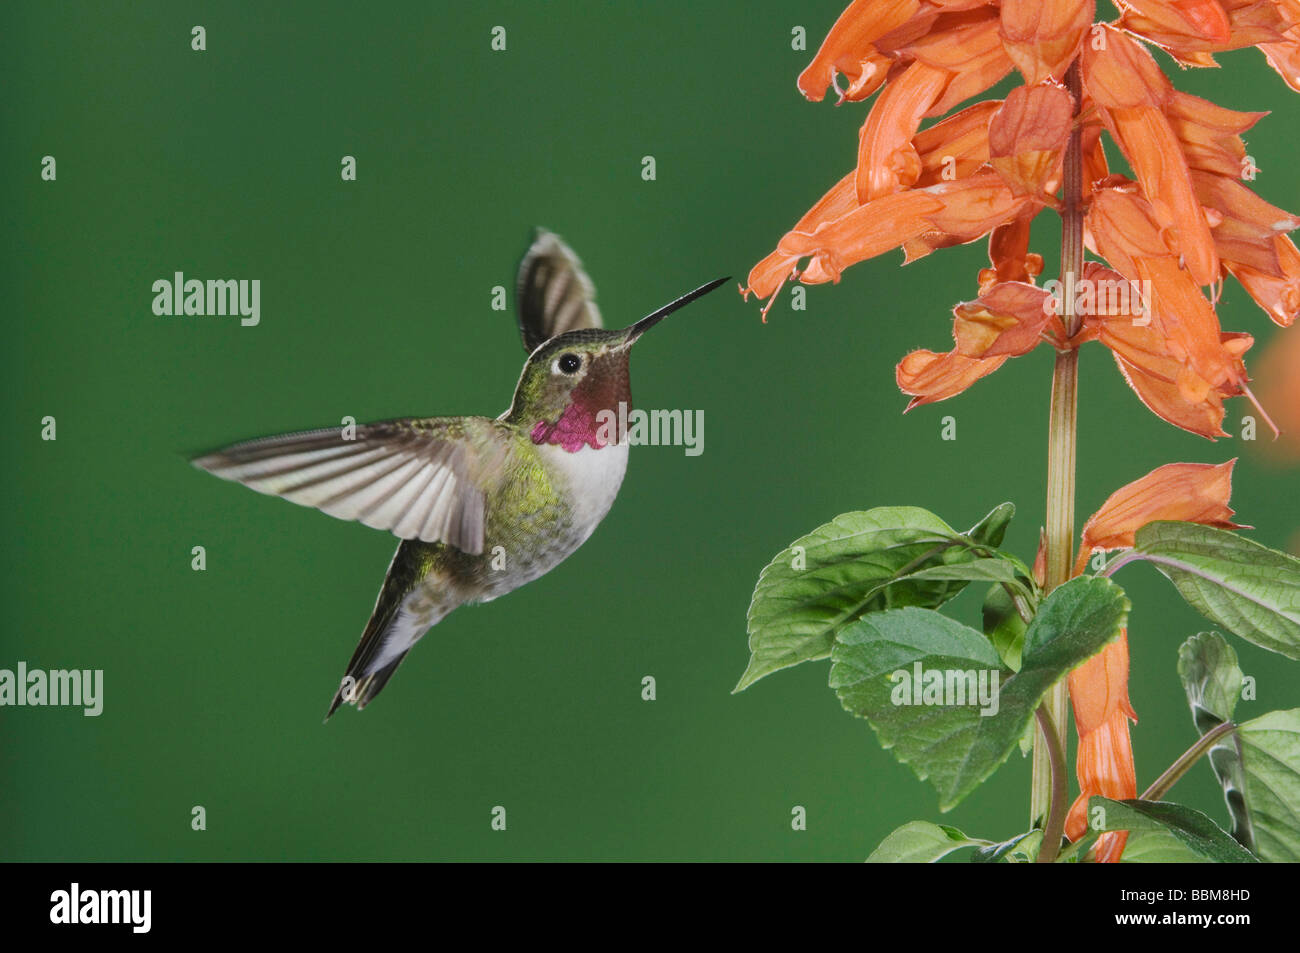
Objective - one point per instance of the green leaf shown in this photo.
(1026, 850)
(1004, 626)
(1192, 828)
(921, 842)
(1212, 681)
(1207, 664)
(991, 530)
(977, 570)
(1074, 852)
(1159, 847)
(1270, 760)
(955, 746)
(1249, 589)
(1258, 765)
(1018, 849)
(853, 565)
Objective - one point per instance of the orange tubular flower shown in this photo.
(1130, 92)
(1027, 138)
(849, 50)
(1185, 222)
(1042, 39)
(1192, 492)
(887, 160)
(1104, 762)
(1005, 320)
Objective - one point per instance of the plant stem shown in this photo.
(1055, 826)
(1161, 785)
(1061, 444)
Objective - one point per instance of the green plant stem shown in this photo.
(1055, 826)
(1061, 446)
(1161, 785)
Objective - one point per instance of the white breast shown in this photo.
(593, 478)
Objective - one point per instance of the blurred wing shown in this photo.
(553, 293)
(415, 478)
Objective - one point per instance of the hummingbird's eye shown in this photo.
(569, 363)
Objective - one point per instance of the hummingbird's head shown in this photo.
(571, 389)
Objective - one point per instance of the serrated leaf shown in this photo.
(848, 567)
(1196, 831)
(1249, 589)
(954, 745)
(1212, 681)
(920, 842)
(1270, 760)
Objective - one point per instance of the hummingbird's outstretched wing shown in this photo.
(553, 293)
(418, 478)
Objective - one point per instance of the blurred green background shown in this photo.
(375, 304)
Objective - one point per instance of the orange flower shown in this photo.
(957, 147)
(1192, 492)
(967, 46)
(1210, 135)
(928, 376)
(1180, 25)
(835, 243)
(1009, 253)
(1005, 320)
(969, 208)
(1130, 92)
(887, 160)
(1284, 56)
(1251, 239)
(1027, 138)
(1183, 223)
(1104, 760)
(1042, 39)
(848, 48)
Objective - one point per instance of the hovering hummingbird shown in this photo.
(482, 505)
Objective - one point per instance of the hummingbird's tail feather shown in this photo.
(398, 621)
(374, 683)
(359, 683)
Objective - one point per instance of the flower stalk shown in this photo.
(1061, 439)
(1054, 828)
(1161, 785)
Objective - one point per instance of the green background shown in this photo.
(375, 304)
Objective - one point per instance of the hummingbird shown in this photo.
(481, 505)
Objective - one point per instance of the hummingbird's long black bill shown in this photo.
(650, 320)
